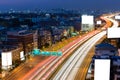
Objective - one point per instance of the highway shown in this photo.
(50, 68)
(24, 68)
(84, 67)
(45, 66)
(77, 58)
(42, 64)
(71, 67)
(114, 22)
(108, 21)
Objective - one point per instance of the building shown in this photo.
(3, 34)
(35, 39)
(87, 23)
(44, 38)
(77, 26)
(21, 36)
(105, 51)
(57, 34)
(10, 56)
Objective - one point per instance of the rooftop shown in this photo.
(19, 31)
(5, 48)
(105, 46)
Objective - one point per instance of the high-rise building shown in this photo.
(10, 56)
(87, 23)
(106, 52)
(24, 37)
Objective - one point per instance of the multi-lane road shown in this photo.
(70, 67)
(52, 65)
(45, 66)
(75, 62)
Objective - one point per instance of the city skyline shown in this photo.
(59, 40)
(67, 4)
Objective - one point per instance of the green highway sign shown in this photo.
(59, 53)
(74, 34)
(46, 53)
(54, 53)
(36, 52)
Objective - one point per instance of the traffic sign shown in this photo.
(46, 53)
(59, 53)
(36, 52)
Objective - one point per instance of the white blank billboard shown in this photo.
(113, 33)
(87, 19)
(6, 60)
(117, 17)
(22, 57)
(102, 69)
(98, 22)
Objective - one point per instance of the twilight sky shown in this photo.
(48, 4)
